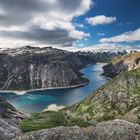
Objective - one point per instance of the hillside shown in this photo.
(119, 98)
(123, 63)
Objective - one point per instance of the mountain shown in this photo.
(34, 68)
(123, 63)
(99, 56)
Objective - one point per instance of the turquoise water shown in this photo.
(37, 101)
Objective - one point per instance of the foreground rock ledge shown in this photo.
(9, 119)
(111, 130)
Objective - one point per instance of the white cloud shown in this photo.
(14, 28)
(110, 47)
(78, 34)
(130, 36)
(100, 20)
(101, 34)
(81, 45)
(41, 21)
(105, 47)
(79, 25)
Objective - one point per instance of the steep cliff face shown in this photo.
(123, 63)
(9, 119)
(32, 68)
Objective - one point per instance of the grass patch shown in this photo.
(79, 122)
(43, 121)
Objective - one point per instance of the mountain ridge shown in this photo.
(123, 63)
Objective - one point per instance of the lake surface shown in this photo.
(37, 101)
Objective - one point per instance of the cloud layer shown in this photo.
(100, 20)
(130, 36)
(41, 21)
(106, 47)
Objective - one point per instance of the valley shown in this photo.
(101, 114)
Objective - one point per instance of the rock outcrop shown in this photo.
(112, 130)
(116, 130)
(123, 63)
(9, 119)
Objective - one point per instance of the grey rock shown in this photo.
(59, 133)
(9, 119)
(111, 130)
(116, 130)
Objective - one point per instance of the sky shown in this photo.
(71, 24)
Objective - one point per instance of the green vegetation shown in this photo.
(79, 122)
(43, 120)
(49, 120)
